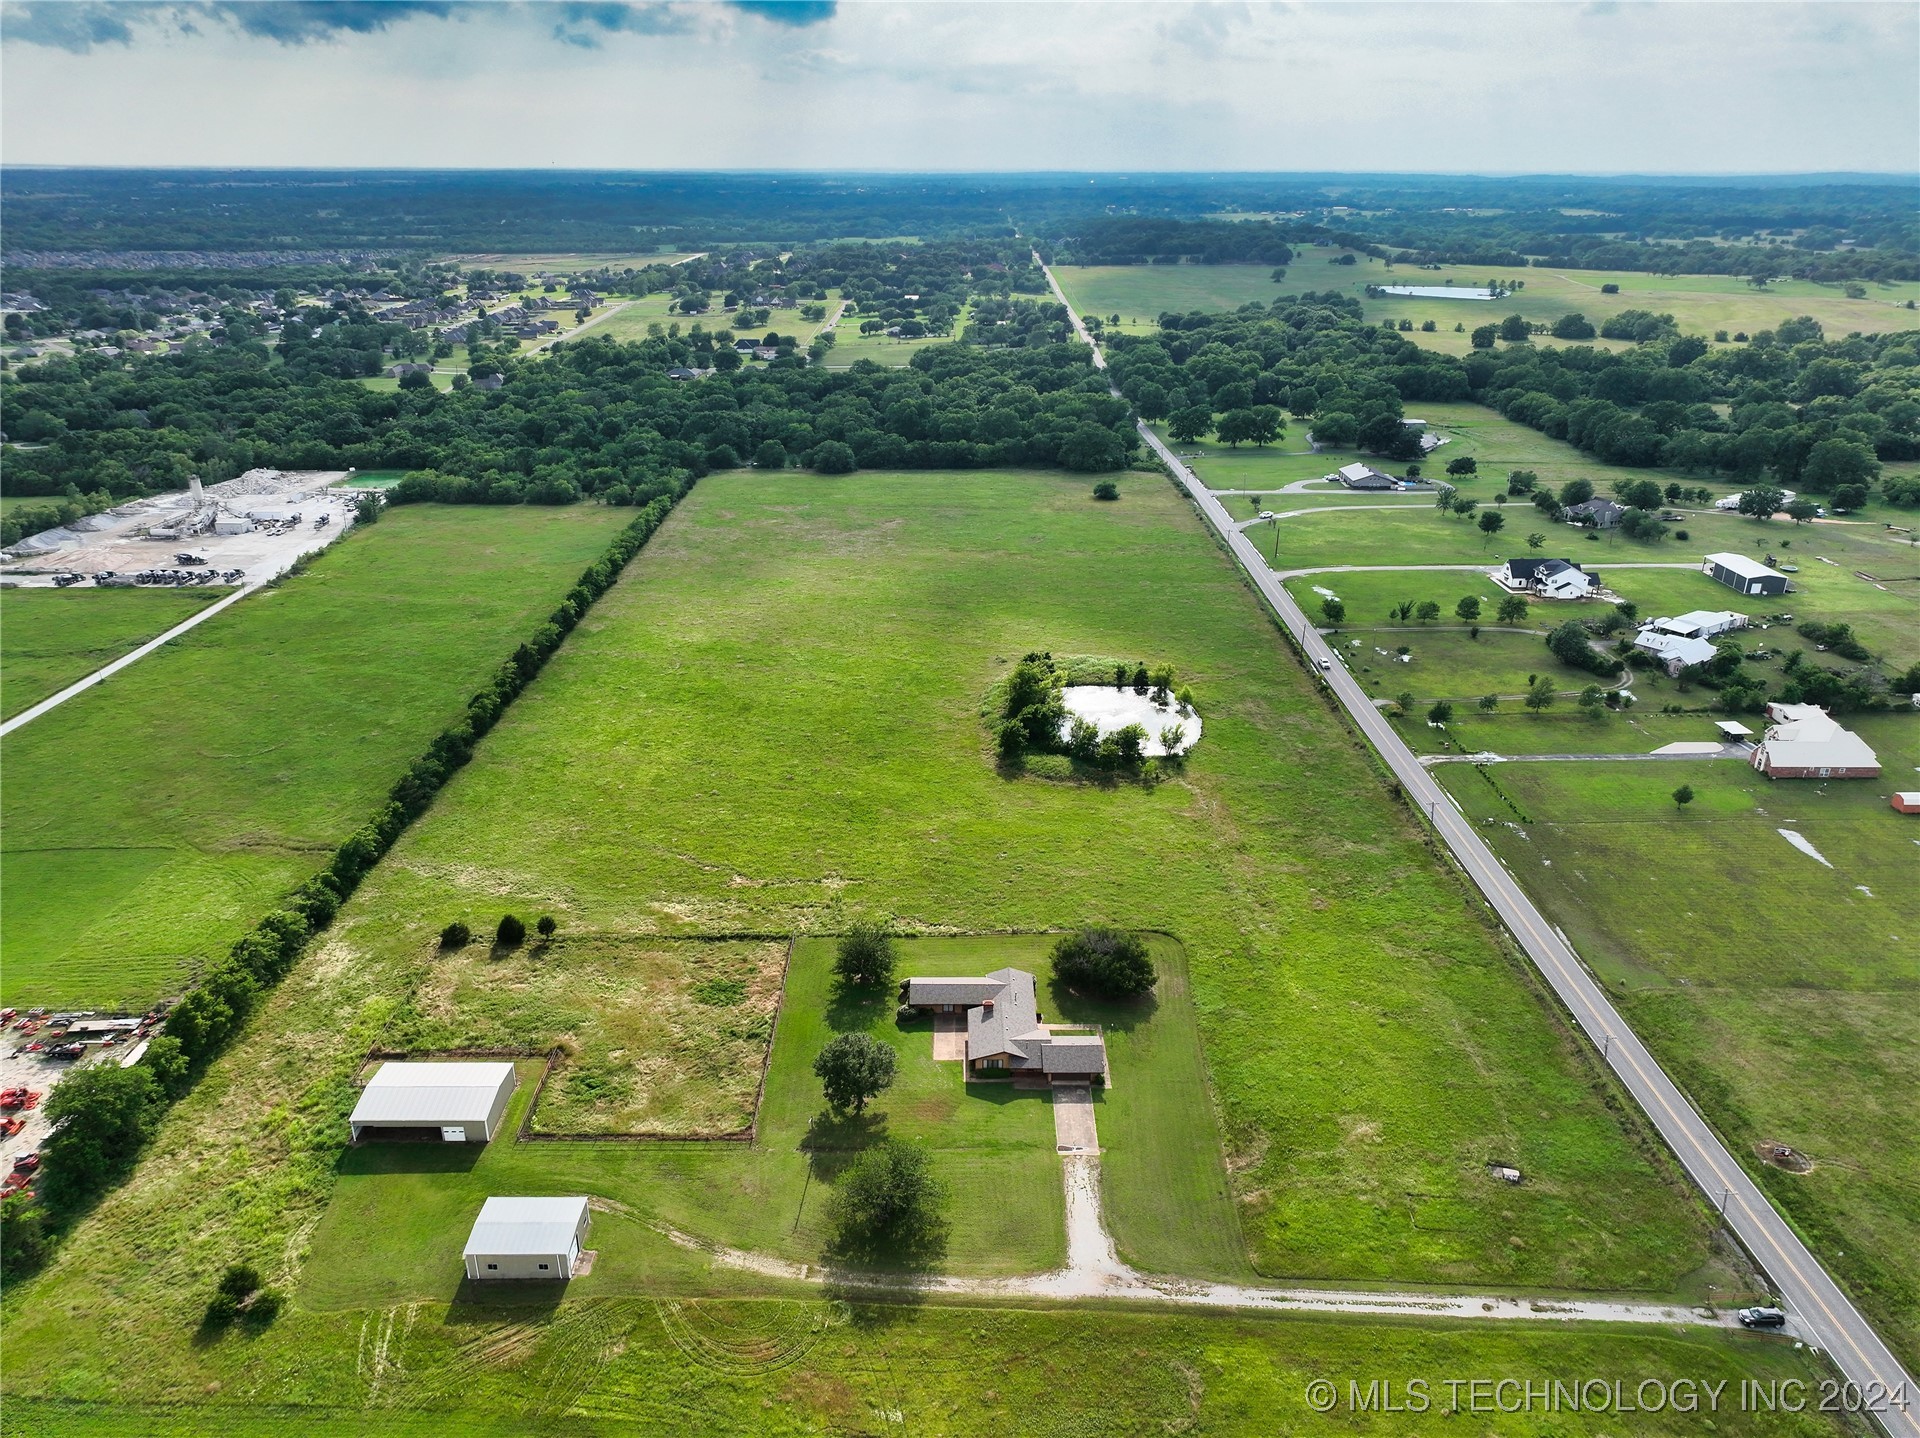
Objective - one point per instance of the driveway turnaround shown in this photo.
(1826, 1316)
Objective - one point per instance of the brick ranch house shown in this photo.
(1005, 1036)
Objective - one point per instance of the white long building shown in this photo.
(460, 1102)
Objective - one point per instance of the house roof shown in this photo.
(1694, 621)
(1817, 743)
(927, 992)
(1074, 1054)
(1357, 473)
(1744, 567)
(1733, 728)
(1538, 568)
(1011, 1024)
(1675, 646)
(1599, 509)
(431, 1093)
(529, 1227)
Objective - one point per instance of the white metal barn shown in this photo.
(527, 1238)
(465, 1102)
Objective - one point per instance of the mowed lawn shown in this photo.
(1784, 993)
(152, 819)
(50, 638)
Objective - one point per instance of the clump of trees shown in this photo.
(853, 1069)
(1110, 962)
(240, 1295)
(1571, 644)
(1033, 717)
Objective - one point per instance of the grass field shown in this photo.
(797, 1366)
(1751, 967)
(629, 323)
(169, 806)
(850, 346)
(1370, 1047)
(656, 1037)
(49, 638)
(1701, 304)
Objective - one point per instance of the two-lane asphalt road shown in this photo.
(1824, 1313)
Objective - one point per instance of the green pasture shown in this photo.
(628, 323)
(50, 638)
(1751, 967)
(1447, 664)
(797, 1364)
(1512, 729)
(850, 346)
(1700, 304)
(173, 803)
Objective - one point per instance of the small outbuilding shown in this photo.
(1747, 576)
(454, 1102)
(1907, 802)
(1732, 730)
(536, 1238)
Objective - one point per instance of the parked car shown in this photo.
(1759, 1317)
(1326, 665)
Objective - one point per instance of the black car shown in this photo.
(1762, 1318)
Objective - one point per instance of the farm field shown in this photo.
(1812, 969)
(1446, 664)
(50, 638)
(850, 346)
(204, 781)
(859, 623)
(1700, 304)
(611, 1368)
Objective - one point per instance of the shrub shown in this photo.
(832, 457)
(511, 932)
(867, 955)
(545, 926)
(1106, 489)
(23, 1237)
(1111, 962)
(456, 935)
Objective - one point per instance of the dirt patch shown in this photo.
(1779, 1155)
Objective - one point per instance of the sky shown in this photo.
(1546, 87)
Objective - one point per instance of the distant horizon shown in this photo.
(1205, 172)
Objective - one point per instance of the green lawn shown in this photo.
(1751, 967)
(850, 346)
(50, 638)
(802, 1366)
(1444, 663)
(1701, 304)
(170, 805)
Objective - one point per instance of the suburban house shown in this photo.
(1363, 476)
(1005, 1037)
(527, 1238)
(1674, 651)
(1804, 742)
(1595, 513)
(1748, 576)
(488, 381)
(453, 1102)
(1700, 623)
(397, 371)
(1548, 578)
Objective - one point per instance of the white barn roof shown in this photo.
(1744, 567)
(525, 1227)
(1817, 743)
(429, 1094)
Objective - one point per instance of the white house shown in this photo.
(1700, 623)
(1804, 742)
(1363, 476)
(1674, 651)
(1548, 578)
(527, 1238)
(461, 1102)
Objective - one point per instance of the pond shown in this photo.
(1112, 709)
(1438, 292)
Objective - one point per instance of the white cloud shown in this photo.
(1331, 86)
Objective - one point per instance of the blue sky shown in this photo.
(1665, 87)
